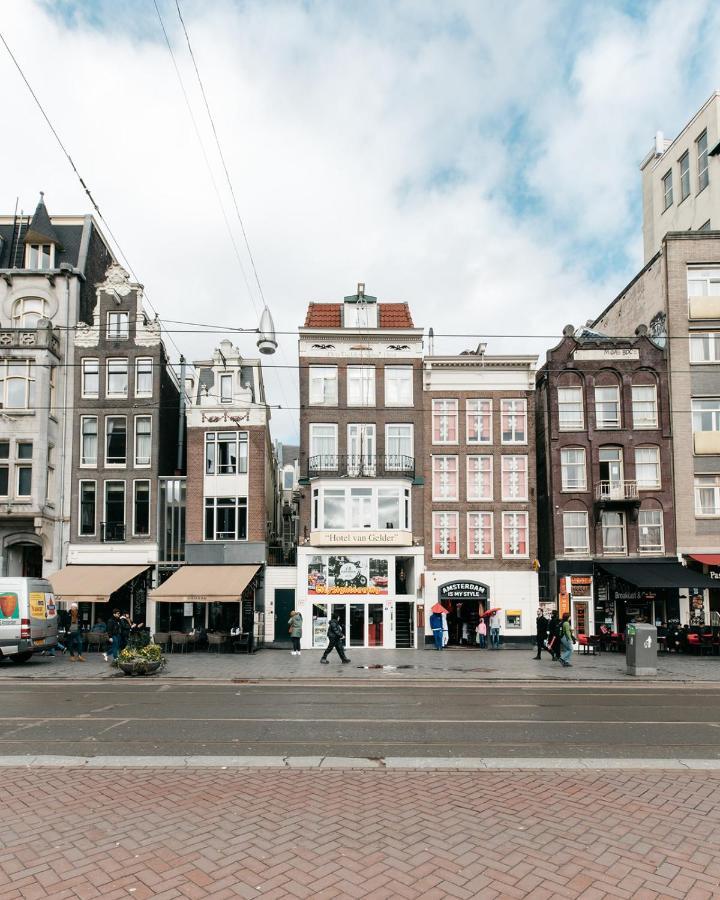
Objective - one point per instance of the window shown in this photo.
(88, 441)
(334, 508)
(702, 161)
(607, 407)
(480, 534)
(17, 384)
(226, 519)
(650, 527)
(323, 385)
(117, 378)
(288, 479)
(27, 312)
(23, 473)
(360, 315)
(323, 446)
(118, 326)
(115, 441)
(141, 508)
(143, 377)
(361, 386)
(575, 533)
(50, 480)
(389, 508)
(4, 468)
(703, 282)
(361, 508)
(143, 440)
(667, 190)
(479, 477)
(644, 406)
(399, 448)
(361, 449)
(513, 421)
(445, 421)
(684, 176)
(114, 510)
(226, 452)
(398, 386)
(226, 389)
(90, 378)
(40, 256)
(706, 415)
(514, 478)
(647, 468)
(445, 478)
(572, 469)
(88, 503)
(613, 531)
(570, 409)
(478, 421)
(707, 495)
(445, 534)
(705, 347)
(515, 533)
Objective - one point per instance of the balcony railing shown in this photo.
(619, 491)
(112, 532)
(353, 466)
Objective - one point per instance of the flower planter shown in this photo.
(141, 666)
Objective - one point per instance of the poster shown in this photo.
(347, 575)
(563, 598)
(9, 608)
(37, 605)
(320, 627)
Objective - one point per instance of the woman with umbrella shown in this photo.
(436, 623)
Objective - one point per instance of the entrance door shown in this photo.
(404, 624)
(611, 471)
(581, 611)
(361, 449)
(357, 625)
(284, 605)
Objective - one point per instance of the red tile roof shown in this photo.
(329, 315)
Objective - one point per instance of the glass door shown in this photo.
(611, 472)
(375, 625)
(357, 625)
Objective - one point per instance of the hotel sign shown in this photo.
(391, 537)
(608, 353)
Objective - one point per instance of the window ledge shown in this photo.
(9, 411)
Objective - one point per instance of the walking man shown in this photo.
(541, 625)
(113, 632)
(494, 631)
(336, 640)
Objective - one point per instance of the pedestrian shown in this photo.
(482, 634)
(554, 635)
(494, 631)
(436, 624)
(336, 640)
(125, 629)
(113, 632)
(541, 634)
(566, 641)
(445, 629)
(75, 635)
(295, 628)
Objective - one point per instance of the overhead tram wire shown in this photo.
(82, 181)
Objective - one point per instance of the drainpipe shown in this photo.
(181, 417)
(67, 414)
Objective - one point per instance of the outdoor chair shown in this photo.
(215, 640)
(179, 641)
(161, 638)
(96, 640)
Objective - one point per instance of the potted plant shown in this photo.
(141, 660)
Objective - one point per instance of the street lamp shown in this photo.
(267, 343)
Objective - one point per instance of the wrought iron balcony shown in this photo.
(353, 466)
(112, 532)
(616, 492)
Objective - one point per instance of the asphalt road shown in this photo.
(138, 718)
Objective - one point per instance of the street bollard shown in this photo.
(641, 650)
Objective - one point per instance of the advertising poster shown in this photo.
(9, 608)
(347, 575)
(37, 606)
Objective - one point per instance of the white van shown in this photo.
(28, 618)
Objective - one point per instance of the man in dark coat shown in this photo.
(336, 640)
(541, 625)
(553, 634)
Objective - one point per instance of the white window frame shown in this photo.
(364, 377)
(311, 434)
(704, 483)
(703, 161)
(83, 458)
(513, 402)
(508, 468)
(506, 516)
(448, 518)
(608, 425)
(489, 517)
(117, 318)
(472, 481)
(110, 362)
(136, 457)
(148, 482)
(114, 465)
(698, 339)
(445, 465)
(24, 316)
(646, 486)
(612, 551)
(574, 425)
(684, 167)
(94, 483)
(90, 395)
(579, 550)
(564, 485)
(405, 385)
(648, 424)
(651, 548)
(699, 415)
(391, 463)
(8, 375)
(445, 408)
(142, 360)
(478, 408)
(224, 379)
(327, 394)
(39, 251)
(667, 189)
(703, 281)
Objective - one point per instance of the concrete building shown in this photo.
(680, 179)
(678, 294)
(479, 510)
(48, 268)
(360, 549)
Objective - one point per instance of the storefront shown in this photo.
(99, 589)
(373, 592)
(708, 564)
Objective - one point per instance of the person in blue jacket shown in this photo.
(436, 623)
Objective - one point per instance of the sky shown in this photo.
(477, 159)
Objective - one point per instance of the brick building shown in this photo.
(479, 511)
(361, 435)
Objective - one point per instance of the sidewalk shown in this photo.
(379, 666)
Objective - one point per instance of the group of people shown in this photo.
(119, 628)
(488, 628)
(555, 636)
(335, 636)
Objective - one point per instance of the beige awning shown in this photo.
(92, 584)
(200, 584)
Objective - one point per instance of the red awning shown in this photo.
(707, 559)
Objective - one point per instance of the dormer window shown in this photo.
(226, 394)
(360, 315)
(40, 256)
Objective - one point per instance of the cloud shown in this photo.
(476, 159)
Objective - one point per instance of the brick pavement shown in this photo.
(359, 834)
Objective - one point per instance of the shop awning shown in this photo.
(91, 584)
(707, 559)
(205, 584)
(656, 574)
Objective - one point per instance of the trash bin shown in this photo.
(641, 650)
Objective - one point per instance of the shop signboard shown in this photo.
(563, 598)
(348, 575)
(463, 590)
(394, 537)
(581, 585)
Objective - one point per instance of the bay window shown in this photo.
(348, 508)
(479, 478)
(445, 421)
(513, 421)
(445, 478)
(398, 385)
(226, 518)
(514, 478)
(445, 534)
(323, 385)
(480, 535)
(515, 534)
(333, 509)
(361, 508)
(478, 421)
